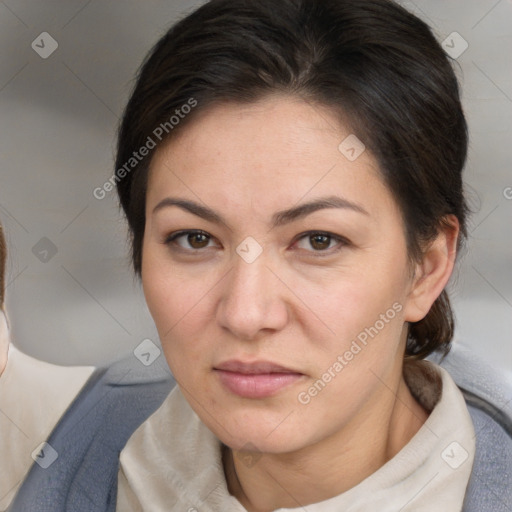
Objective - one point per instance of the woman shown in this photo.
(33, 396)
(291, 173)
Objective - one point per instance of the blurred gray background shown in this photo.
(71, 296)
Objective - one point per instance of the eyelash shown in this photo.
(171, 240)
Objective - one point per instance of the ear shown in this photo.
(433, 272)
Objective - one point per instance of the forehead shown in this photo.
(285, 126)
(274, 152)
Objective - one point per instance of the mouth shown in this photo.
(259, 379)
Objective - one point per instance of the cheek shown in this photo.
(365, 311)
(179, 306)
(170, 295)
(355, 302)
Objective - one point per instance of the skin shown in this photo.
(291, 305)
(4, 348)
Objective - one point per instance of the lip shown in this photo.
(258, 379)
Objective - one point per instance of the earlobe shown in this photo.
(433, 272)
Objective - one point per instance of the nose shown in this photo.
(253, 300)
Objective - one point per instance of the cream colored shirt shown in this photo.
(173, 462)
(33, 396)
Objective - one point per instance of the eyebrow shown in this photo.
(278, 219)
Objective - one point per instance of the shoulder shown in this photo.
(119, 396)
(488, 395)
(34, 395)
(113, 403)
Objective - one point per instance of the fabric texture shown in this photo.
(33, 396)
(90, 437)
(488, 395)
(119, 399)
(173, 462)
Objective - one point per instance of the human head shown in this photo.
(372, 62)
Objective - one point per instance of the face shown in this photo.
(280, 321)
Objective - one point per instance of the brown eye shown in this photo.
(198, 240)
(320, 242)
(188, 240)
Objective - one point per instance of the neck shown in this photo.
(291, 480)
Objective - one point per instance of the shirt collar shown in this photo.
(174, 458)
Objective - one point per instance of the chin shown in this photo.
(259, 432)
(261, 444)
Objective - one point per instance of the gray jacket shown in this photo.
(118, 398)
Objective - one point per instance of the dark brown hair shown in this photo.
(369, 60)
